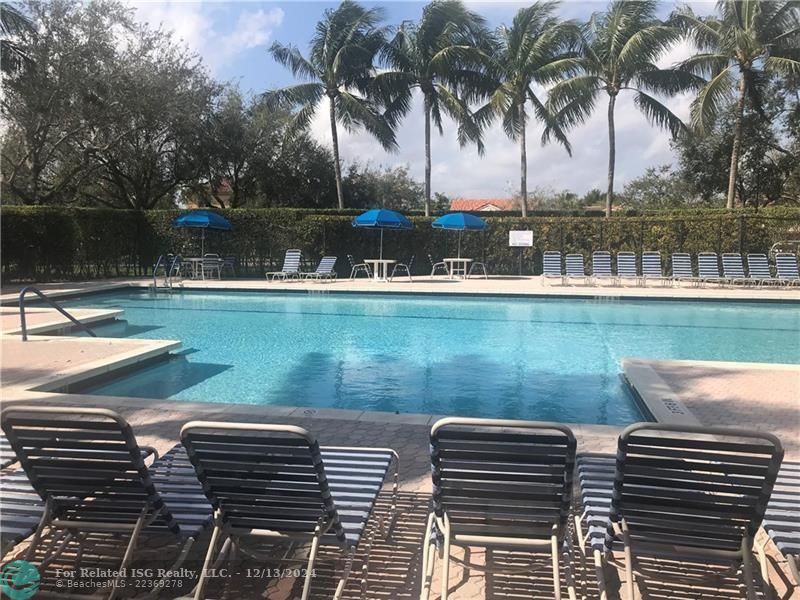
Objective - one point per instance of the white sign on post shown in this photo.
(520, 239)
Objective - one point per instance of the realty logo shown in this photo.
(19, 579)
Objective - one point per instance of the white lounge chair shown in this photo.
(786, 266)
(758, 269)
(575, 268)
(325, 269)
(601, 267)
(708, 268)
(551, 266)
(652, 270)
(733, 268)
(291, 266)
(682, 268)
(626, 268)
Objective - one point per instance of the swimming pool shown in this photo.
(524, 358)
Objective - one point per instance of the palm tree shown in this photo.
(339, 66)
(739, 50)
(13, 24)
(445, 57)
(534, 50)
(619, 55)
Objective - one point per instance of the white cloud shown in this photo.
(195, 23)
(252, 29)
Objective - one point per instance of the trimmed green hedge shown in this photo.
(44, 243)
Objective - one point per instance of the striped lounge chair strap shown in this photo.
(86, 461)
(508, 479)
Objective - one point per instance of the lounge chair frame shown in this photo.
(733, 268)
(290, 268)
(504, 443)
(626, 268)
(663, 460)
(328, 522)
(325, 269)
(708, 269)
(682, 269)
(758, 270)
(652, 269)
(601, 268)
(787, 269)
(552, 266)
(575, 269)
(63, 433)
(477, 265)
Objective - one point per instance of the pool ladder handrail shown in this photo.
(171, 265)
(51, 302)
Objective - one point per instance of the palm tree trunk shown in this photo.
(337, 167)
(427, 159)
(737, 143)
(523, 166)
(612, 154)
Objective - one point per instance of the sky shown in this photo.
(232, 39)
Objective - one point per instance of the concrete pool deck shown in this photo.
(761, 396)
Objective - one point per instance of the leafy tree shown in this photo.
(767, 164)
(534, 50)
(52, 111)
(660, 188)
(387, 187)
(739, 49)
(151, 148)
(14, 24)
(619, 55)
(294, 170)
(235, 133)
(339, 65)
(444, 56)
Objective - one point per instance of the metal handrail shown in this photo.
(23, 321)
(155, 271)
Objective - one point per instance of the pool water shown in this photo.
(522, 358)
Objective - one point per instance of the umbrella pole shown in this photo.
(202, 242)
(459, 244)
(381, 255)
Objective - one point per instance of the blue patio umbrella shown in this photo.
(382, 218)
(202, 219)
(459, 222)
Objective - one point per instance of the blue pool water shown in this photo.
(550, 359)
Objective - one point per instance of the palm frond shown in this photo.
(290, 57)
(551, 123)
(302, 94)
(354, 111)
(645, 46)
(658, 114)
(714, 95)
(668, 82)
(468, 129)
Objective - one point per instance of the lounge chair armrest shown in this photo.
(149, 452)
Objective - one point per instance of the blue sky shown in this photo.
(233, 37)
